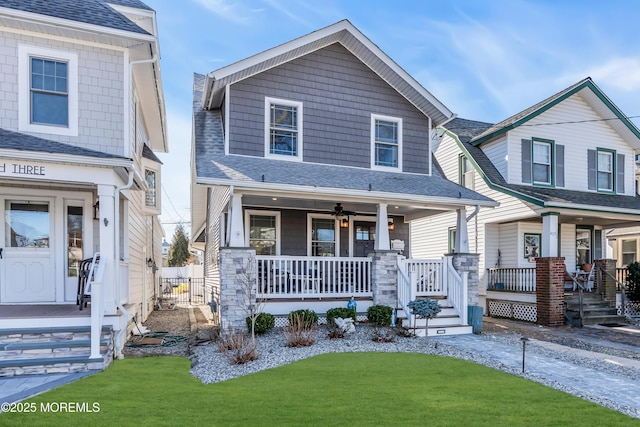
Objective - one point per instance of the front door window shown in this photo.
(27, 225)
(74, 239)
(583, 246)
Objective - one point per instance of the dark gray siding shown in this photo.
(339, 93)
(293, 233)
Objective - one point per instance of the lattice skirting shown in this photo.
(513, 310)
(631, 309)
(282, 321)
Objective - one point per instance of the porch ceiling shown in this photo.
(588, 219)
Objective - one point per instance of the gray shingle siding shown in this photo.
(339, 93)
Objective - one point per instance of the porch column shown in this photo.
(107, 249)
(462, 235)
(234, 299)
(605, 284)
(384, 277)
(468, 263)
(236, 228)
(382, 242)
(550, 290)
(550, 234)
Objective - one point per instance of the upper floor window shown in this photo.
(283, 128)
(386, 142)
(542, 162)
(605, 170)
(48, 91)
(467, 174)
(150, 196)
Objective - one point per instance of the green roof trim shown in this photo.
(588, 83)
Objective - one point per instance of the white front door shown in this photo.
(26, 239)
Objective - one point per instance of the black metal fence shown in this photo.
(185, 290)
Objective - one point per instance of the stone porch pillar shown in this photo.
(606, 286)
(233, 297)
(384, 277)
(550, 290)
(549, 234)
(468, 263)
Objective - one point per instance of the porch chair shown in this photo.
(84, 276)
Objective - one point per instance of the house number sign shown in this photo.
(20, 169)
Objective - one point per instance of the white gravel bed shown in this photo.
(210, 366)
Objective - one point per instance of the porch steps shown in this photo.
(447, 322)
(596, 310)
(32, 351)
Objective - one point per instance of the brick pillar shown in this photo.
(550, 290)
(384, 276)
(233, 297)
(468, 263)
(603, 283)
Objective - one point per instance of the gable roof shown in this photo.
(137, 4)
(352, 39)
(591, 93)
(93, 12)
(466, 131)
(147, 153)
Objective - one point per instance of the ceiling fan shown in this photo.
(340, 213)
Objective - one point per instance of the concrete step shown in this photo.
(597, 320)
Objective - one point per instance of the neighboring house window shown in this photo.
(542, 162)
(605, 170)
(323, 236)
(467, 174)
(452, 240)
(386, 142)
(628, 252)
(48, 91)
(150, 196)
(263, 231)
(583, 246)
(284, 128)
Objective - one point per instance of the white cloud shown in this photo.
(621, 73)
(228, 10)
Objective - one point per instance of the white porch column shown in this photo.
(106, 196)
(462, 235)
(550, 234)
(236, 228)
(382, 242)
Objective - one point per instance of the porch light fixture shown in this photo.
(150, 263)
(390, 225)
(96, 210)
(344, 223)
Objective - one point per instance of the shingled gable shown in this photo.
(352, 39)
(591, 94)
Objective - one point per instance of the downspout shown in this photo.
(475, 212)
(116, 232)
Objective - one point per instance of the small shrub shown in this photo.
(308, 317)
(380, 315)
(633, 282)
(383, 334)
(237, 347)
(264, 323)
(300, 332)
(335, 332)
(404, 332)
(342, 312)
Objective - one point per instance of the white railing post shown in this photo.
(465, 303)
(96, 315)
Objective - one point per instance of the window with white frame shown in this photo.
(283, 129)
(48, 91)
(323, 236)
(263, 231)
(628, 252)
(542, 162)
(152, 185)
(467, 174)
(386, 142)
(605, 170)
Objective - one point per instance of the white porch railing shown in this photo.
(511, 279)
(406, 289)
(457, 289)
(94, 283)
(427, 276)
(313, 277)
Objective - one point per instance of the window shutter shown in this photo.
(620, 173)
(526, 161)
(559, 165)
(592, 157)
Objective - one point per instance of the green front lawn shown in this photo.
(339, 389)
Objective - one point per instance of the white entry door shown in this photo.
(26, 263)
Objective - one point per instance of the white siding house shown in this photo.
(82, 114)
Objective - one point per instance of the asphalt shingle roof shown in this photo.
(147, 153)
(10, 140)
(94, 12)
(129, 3)
(467, 130)
(212, 163)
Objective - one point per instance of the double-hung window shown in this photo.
(386, 142)
(542, 162)
(283, 129)
(323, 234)
(605, 170)
(467, 175)
(263, 231)
(150, 196)
(48, 89)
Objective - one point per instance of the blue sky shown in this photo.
(485, 60)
